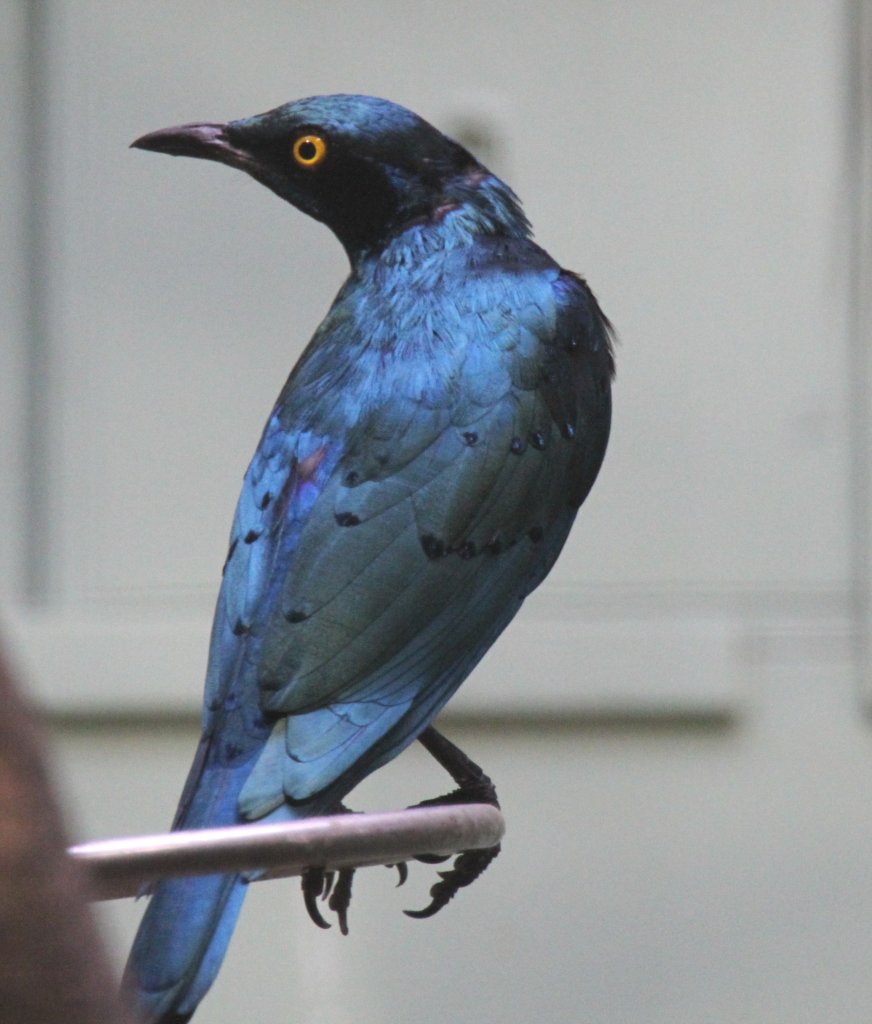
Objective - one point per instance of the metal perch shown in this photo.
(121, 867)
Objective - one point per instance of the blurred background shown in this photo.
(679, 722)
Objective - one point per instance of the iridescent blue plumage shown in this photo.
(416, 479)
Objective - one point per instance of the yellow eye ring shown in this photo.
(309, 150)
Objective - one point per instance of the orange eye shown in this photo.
(309, 150)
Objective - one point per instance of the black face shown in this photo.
(364, 167)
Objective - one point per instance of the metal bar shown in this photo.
(122, 867)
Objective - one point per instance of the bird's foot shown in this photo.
(333, 886)
(474, 787)
(467, 867)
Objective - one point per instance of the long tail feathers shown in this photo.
(180, 945)
(187, 925)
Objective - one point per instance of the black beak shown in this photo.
(206, 141)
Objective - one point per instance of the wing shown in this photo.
(371, 567)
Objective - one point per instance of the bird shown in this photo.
(415, 481)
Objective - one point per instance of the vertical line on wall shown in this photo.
(34, 461)
(859, 157)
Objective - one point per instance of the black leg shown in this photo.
(474, 786)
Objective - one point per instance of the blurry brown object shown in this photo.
(52, 967)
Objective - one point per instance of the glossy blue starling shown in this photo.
(415, 481)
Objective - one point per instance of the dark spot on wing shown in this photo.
(467, 551)
(493, 547)
(346, 519)
(433, 547)
(251, 536)
(231, 751)
(230, 551)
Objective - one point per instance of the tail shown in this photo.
(187, 925)
(180, 945)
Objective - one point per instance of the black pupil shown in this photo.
(307, 150)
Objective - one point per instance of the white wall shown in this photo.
(709, 835)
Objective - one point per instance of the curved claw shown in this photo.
(402, 870)
(341, 897)
(313, 882)
(467, 867)
(327, 886)
(427, 911)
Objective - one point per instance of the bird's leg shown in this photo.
(474, 786)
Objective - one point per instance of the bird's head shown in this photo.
(366, 167)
